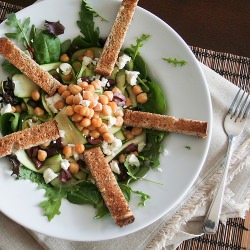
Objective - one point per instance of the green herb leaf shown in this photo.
(175, 61)
(87, 26)
(139, 44)
(127, 190)
(21, 28)
(10, 68)
(47, 48)
(88, 7)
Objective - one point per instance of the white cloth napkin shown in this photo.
(184, 221)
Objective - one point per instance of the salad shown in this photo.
(89, 109)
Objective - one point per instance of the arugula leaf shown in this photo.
(51, 205)
(87, 26)
(127, 190)
(175, 61)
(21, 33)
(139, 44)
(88, 7)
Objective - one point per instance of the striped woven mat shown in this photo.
(235, 234)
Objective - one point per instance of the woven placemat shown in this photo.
(235, 234)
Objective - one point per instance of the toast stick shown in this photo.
(28, 66)
(165, 123)
(106, 62)
(28, 138)
(108, 186)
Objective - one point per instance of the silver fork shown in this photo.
(234, 124)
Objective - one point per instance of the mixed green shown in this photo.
(138, 150)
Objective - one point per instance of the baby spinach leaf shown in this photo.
(156, 100)
(10, 68)
(9, 123)
(47, 48)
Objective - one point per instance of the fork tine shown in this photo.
(242, 106)
(245, 114)
(230, 111)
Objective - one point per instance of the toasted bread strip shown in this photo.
(28, 138)
(116, 37)
(108, 186)
(28, 66)
(165, 123)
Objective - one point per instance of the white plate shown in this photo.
(188, 96)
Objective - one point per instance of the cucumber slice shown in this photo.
(121, 80)
(72, 134)
(50, 66)
(23, 86)
(25, 160)
(132, 96)
(53, 162)
(120, 135)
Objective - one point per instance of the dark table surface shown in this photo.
(220, 25)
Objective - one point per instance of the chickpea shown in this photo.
(128, 134)
(67, 151)
(45, 145)
(65, 94)
(83, 84)
(96, 122)
(119, 112)
(142, 98)
(64, 58)
(98, 107)
(88, 95)
(13, 109)
(76, 117)
(41, 155)
(95, 134)
(74, 89)
(122, 158)
(79, 148)
(69, 99)
(79, 126)
(68, 77)
(81, 110)
(115, 89)
(103, 99)
(119, 121)
(85, 122)
(136, 131)
(74, 167)
(128, 102)
(106, 110)
(77, 99)
(90, 114)
(61, 89)
(108, 137)
(23, 106)
(89, 53)
(137, 90)
(103, 128)
(109, 94)
(18, 108)
(85, 131)
(35, 95)
(38, 111)
(69, 110)
(97, 84)
(113, 106)
(90, 88)
(91, 127)
(59, 104)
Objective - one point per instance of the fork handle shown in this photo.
(212, 218)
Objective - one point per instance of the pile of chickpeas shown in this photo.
(88, 118)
